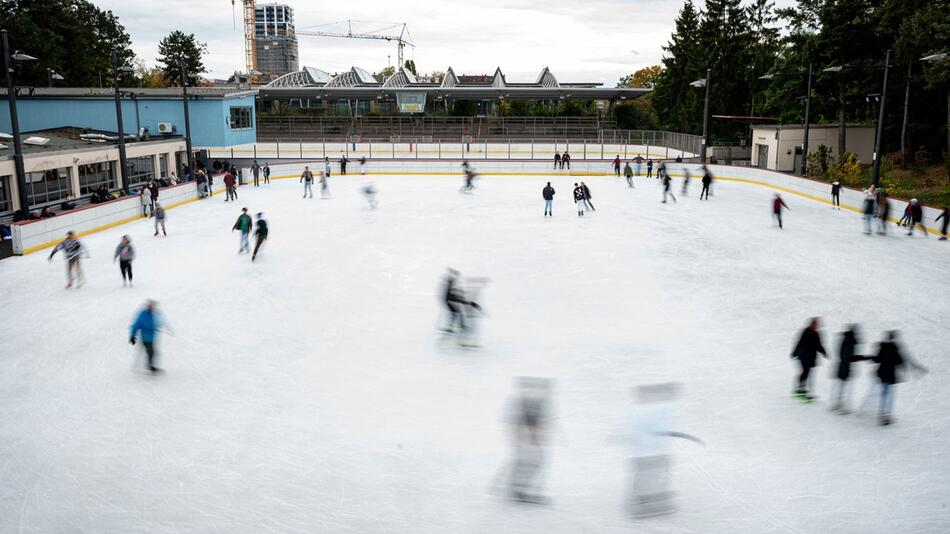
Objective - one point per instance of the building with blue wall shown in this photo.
(220, 117)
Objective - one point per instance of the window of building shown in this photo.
(163, 165)
(94, 175)
(140, 170)
(6, 196)
(46, 187)
(240, 118)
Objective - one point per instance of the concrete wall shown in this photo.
(781, 148)
(209, 125)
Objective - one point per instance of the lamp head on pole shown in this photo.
(836, 68)
(767, 77)
(699, 83)
(54, 75)
(933, 58)
(20, 56)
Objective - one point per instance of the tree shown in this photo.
(677, 105)
(645, 77)
(387, 72)
(178, 46)
(149, 76)
(410, 66)
(72, 37)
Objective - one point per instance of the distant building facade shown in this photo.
(277, 52)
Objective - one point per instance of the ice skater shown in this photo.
(945, 216)
(649, 168)
(579, 199)
(456, 302)
(530, 417)
(147, 205)
(847, 354)
(147, 324)
(160, 219)
(343, 161)
(883, 213)
(363, 165)
(916, 217)
(707, 183)
(266, 171)
(890, 362)
(836, 194)
(548, 194)
(256, 171)
(628, 174)
(243, 224)
(685, 180)
(868, 208)
(324, 185)
(806, 352)
(369, 193)
(260, 235)
(469, 184)
(230, 189)
(306, 178)
(125, 253)
(587, 197)
(638, 161)
(777, 206)
(667, 181)
(326, 165)
(73, 251)
(617, 166)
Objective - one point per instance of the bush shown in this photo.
(819, 161)
(848, 171)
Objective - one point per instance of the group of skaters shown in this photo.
(877, 206)
(306, 178)
(244, 224)
(151, 207)
(889, 358)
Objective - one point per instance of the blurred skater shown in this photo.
(469, 184)
(846, 356)
(73, 251)
(530, 416)
(369, 193)
(147, 324)
(628, 174)
(666, 188)
(548, 194)
(649, 168)
(806, 351)
(587, 197)
(362, 164)
(160, 219)
(836, 194)
(777, 206)
(883, 213)
(869, 201)
(707, 183)
(306, 178)
(890, 363)
(685, 181)
(326, 165)
(916, 217)
(125, 253)
(945, 215)
(260, 235)
(243, 224)
(324, 185)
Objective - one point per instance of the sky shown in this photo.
(588, 41)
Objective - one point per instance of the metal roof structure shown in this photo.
(136, 92)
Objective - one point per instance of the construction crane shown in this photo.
(250, 34)
(401, 37)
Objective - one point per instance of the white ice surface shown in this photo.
(308, 392)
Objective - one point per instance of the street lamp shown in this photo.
(878, 133)
(123, 161)
(52, 75)
(704, 83)
(184, 100)
(14, 119)
(937, 58)
(807, 110)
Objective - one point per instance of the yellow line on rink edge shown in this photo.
(406, 173)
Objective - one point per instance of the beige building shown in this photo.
(69, 163)
(779, 148)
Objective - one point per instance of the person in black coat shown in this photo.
(557, 159)
(846, 356)
(548, 194)
(916, 217)
(806, 352)
(890, 362)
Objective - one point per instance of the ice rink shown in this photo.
(310, 391)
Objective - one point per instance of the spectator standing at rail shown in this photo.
(548, 194)
(266, 171)
(125, 253)
(256, 171)
(617, 166)
(147, 205)
(806, 352)
(707, 182)
(649, 168)
(557, 159)
(566, 160)
(343, 162)
(229, 185)
(836, 194)
(153, 187)
(73, 251)
(777, 206)
(306, 178)
(945, 215)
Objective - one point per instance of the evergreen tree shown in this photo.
(677, 104)
(178, 46)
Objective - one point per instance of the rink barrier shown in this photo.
(31, 236)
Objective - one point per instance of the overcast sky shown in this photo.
(592, 40)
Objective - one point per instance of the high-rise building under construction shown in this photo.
(276, 40)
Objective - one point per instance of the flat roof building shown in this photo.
(779, 147)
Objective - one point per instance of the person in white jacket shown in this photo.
(147, 206)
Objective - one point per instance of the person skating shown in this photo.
(548, 194)
(256, 171)
(557, 160)
(147, 325)
(147, 205)
(628, 174)
(905, 217)
(666, 188)
(125, 253)
(566, 160)
(454, 299)
(260, 235)
(530, 416)
(649, 168)
(916, 217)
(266, 171)
(847, 354)
(883, 213)
(343, 162)
(638, 161)
(579, 199)
(945, 216)
(362, 165)
(326, 165)
(73, 251)
(868, 210)
(685, 179)
(806, 352)
(587, 196)
(369, 193)
(243, 224)
(707, 182)
(229, 185)
(777, 206)
(160, 219)
(617, 166)
(890, 362)
(469, 184)
(306, 178)
(836, 194)
(153, 187)
(201, 180)
(324, 185)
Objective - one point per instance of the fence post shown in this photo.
(585, 149)
(324, 148)
(509, 149)
(370, 149)
(394, 149)
(532, 149)
(255, 150)
(301, 149)
(439, 146)
(278, 150)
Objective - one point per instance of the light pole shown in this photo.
(705, 140)
(14, 120)
(53, 75)
(807, 112)
(937, 58)
(123, 161)
(876, 162)
(184, 100)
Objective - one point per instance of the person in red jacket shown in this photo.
(777, 205)
(617, 165)
(229, 184)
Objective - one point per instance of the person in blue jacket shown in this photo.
(147, 325)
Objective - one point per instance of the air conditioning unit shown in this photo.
(166, 128)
